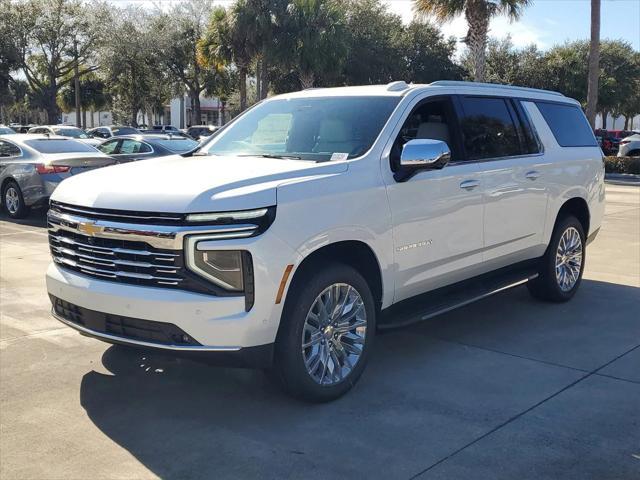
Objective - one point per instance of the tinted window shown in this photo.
(46, 145)
(108, 147)
(306, 128)
(530, 140)
(568, 124)
(488, 128)
(70, 132)
(8, 149)
(125, 131)
(133, 146)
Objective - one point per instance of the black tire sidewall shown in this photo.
(549, 272)
(289, 361)
(22, 209)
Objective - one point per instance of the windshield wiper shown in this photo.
(270, 155)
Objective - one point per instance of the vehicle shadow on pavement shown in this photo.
(429, 390)
(36, 218)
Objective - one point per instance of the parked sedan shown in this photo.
(142, 147)
(6, 130)
(32, 166)
(630, 146)
(112, 131)
(66, 131)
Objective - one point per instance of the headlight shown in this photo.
(222, 267)
(227, 217)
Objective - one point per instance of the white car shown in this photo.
(630, 146)
(317, 217)
(66, 131)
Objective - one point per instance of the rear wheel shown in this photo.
(326, 333)
(13, 201)
(563, 264)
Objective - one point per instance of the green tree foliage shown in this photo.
(428, 54)
(375, 41)
(51, 36)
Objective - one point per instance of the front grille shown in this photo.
(129, 262)
(124, 327)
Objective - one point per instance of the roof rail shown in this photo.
(397, 86)
(456, 83)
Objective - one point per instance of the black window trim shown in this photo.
(15, 145)
(508, 100)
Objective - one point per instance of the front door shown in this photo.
(437, 214)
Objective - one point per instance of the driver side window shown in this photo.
(432, 119)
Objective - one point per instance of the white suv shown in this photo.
(318, 217)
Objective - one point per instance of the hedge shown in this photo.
(622, 165)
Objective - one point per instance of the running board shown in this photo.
(443, 300)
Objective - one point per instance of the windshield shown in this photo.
(306, 128)
(50, 145)
(70, 132)
(178, 145)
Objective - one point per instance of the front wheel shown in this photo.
(326, 333)
(562, 265)
(13, 201)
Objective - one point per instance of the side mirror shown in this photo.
(422, 154)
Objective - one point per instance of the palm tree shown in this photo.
(478, 14)
(594, 65)
(226, 42)
(316, 40)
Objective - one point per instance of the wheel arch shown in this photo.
(579, 208)
(354, 253)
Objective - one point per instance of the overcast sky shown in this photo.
(545, 22)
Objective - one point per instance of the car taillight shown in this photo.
(44, 169)
(624, 142)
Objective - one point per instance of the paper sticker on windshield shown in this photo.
(339, 156)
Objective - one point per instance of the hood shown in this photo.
(176, 184)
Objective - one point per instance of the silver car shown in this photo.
(32, 166)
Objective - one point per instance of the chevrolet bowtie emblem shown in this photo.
(89, 228)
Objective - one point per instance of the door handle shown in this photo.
(532, 175)
(469, 184)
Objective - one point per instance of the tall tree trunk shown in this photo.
(243, 87)
(477, 15)
(265, 78)
(196, 110)
(605, 114)
(84, 118)
(594, 64)
(626, 123)
(307, 80)
(222, 113)
(93, 114)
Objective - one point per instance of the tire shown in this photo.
(322, 382)
(13, 201)
(568, 237)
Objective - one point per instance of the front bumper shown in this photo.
(250, 357)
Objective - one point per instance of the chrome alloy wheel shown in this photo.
(12, 200)
(334, 333)
(569, 259)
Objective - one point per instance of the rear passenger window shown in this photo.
(9, 149)
(568, 124)
(488, 128)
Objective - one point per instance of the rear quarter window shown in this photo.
(568, 125)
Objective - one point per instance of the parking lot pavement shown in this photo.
(505, 388)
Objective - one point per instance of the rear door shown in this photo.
(498, 136)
